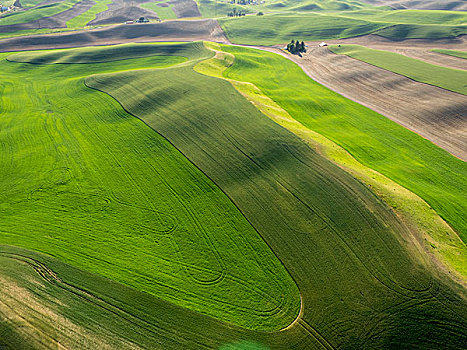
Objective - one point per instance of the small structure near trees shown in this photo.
(296, 47)
(142, 20)
(323, 44)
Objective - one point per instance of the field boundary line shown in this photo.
(402, 75)
(207, 176)
(362, 173)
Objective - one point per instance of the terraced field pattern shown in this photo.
(175, 196)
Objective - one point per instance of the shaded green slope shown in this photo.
(281, 28)
(360, 286)
(37, 12)
(86, 182)
(423, 17)
(417, 164)
(276, 29)
(213, 8)
(55, 303)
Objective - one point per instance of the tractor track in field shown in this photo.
(51, 277)
(412, 294)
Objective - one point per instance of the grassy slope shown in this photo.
(30, 3)
(447, 78)
(276, 29)
(395, 25)
(375, 141)
(162, 12)
(109, 195)
(38, 311)
(359, 285)
(437, 237)
(37, 13)
(213, 8)
(86, 17)
(417, 31)
(446, 18)
(455, 53)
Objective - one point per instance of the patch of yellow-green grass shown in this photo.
(455, 53)
(162, 12)
(86, 17)
(434, 234)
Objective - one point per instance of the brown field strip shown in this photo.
(434, 113)
(120, 11)
(56, 21)
(205, 29)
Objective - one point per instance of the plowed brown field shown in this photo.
(434, 113)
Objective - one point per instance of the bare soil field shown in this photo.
(431, 57)
(56, 21)
(206, 29)
(120, 11)
(416, 48)
(456, 5)
(185, 8)
(432, 112)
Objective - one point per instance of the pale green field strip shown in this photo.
(38, 12)
(360, 283)
(86, 17)
(446, 78)
(401, 155)
(438, 237)
(455, 53)
(111, 196)
(30, 3)
(162, 12)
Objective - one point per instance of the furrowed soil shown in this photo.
(436, 114)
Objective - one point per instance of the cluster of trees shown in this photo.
(296, 47)
(244, 2)
(236, 13)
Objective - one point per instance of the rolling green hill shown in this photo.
(113, 197)
(213, 8)
(174, 214)
(37, 12)
(345, 249)
(277, 29)
(281, 28)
